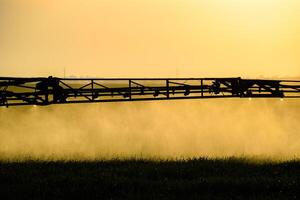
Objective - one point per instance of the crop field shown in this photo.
(228, 178)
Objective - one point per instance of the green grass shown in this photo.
(147, 179)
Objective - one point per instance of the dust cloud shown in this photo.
(162, 129)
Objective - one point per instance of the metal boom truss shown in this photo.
(46, 91)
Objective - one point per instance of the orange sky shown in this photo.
(150, 38)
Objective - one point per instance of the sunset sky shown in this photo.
(150, 38)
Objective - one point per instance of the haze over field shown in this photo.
(173, 129)
(151, 38)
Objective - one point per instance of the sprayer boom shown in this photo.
(51, 90)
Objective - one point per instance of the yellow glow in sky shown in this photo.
(150, 38)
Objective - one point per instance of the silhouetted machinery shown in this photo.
(52, 90)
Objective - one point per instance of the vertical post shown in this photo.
(168, 91)
(47, 96)
(201, 87)
(46, 90)
(129, 84)
(93, 94)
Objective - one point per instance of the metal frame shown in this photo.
(46, 91)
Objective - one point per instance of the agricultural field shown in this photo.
(202, 178)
